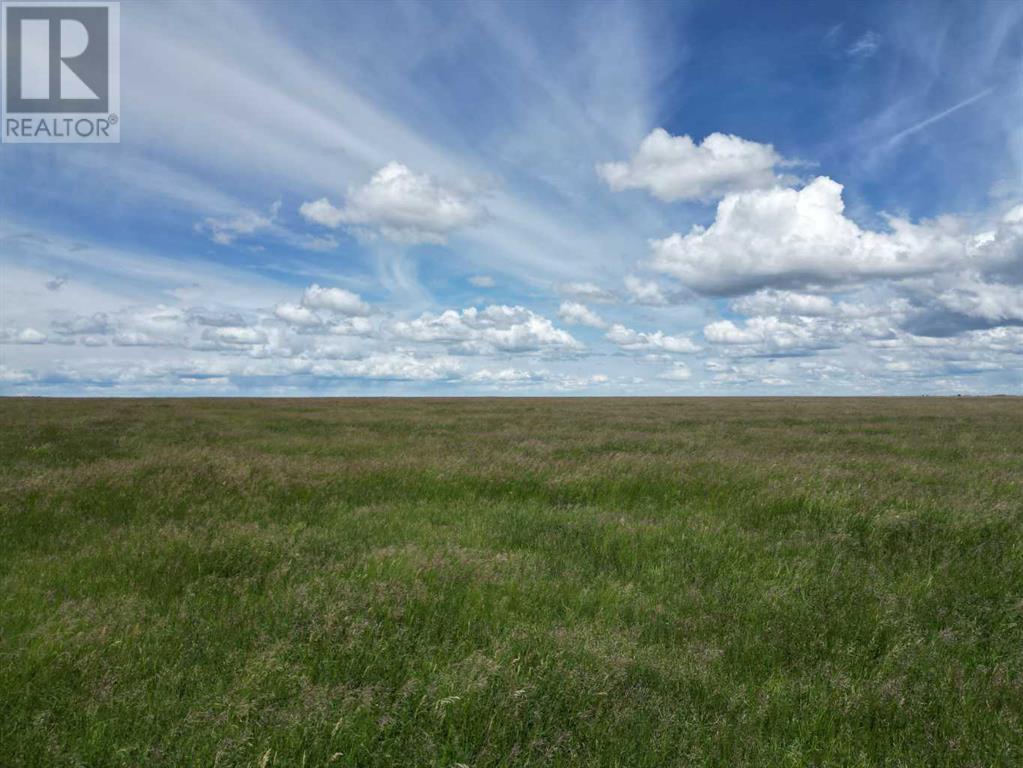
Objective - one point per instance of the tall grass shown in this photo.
(604, 582)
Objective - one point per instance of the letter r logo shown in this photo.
(57, 58)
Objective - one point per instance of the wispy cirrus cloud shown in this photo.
(930, 120)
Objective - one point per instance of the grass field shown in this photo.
(657, 582)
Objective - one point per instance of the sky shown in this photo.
(529, 198)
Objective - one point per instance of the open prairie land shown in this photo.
(592, 582)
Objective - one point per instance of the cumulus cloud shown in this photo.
(230, 336)
(789, 238)
(295, 314)
(936, 278)
(984, 291)
(677, 168)
(773, 373)
(154, 326)
(139, 339)
(495, 328)
(97, 323)
(352, 326)
(336, 300)
(637, 341)
(399, 205)
(398, 366)
(946, 304)
(381, 366)
(322, 212)
(201, 316)
(333, 301)
(132, 327)
(587, 292)
(773, 302)
(677, 372)
(225, 231)
(770, 332)
(972, 296)
(574, 313)
(801, 334)
(506, 376)
(13, 376)
(22, 336)
(645, 291)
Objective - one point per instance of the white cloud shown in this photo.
(1014, 215)
(506, 376)
(772, 373)
(865, 46)
(574, 313)
(772, 302)
(496, 328)
(482, 281)
(813, 308)
(229, 336)
(948, 303)
(399, 205)
(398, 366)
(334, 300)
(97, 323)
(22, 336)
(587, 292)
(353, 326)
(322, 212)
(294, 314)
(131, 327)
(637, 341)
(150, 326)
(202, 316)
(790, 238)
(11, 376)
(800, 334)
(678, 372)
(937, 278)
(138, 339)
(931, 119)
(225, 231)
(757, 330)
(388, 366)
(676, 168)
(970, 295)
(645, 291)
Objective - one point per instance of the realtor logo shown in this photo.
(61, 72)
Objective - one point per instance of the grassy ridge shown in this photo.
(511, 582)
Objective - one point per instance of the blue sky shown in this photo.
(531, 198)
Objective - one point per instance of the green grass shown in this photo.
(511, 582)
